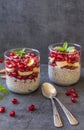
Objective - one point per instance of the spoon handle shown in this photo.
(56, 116)
(71, 118)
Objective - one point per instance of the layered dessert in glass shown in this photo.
(22, 70)
(64, 65)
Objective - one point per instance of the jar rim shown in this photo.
(28, 49)
(51, 46)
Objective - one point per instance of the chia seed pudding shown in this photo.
(22, 70)
(64, 66)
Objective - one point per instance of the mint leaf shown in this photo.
(65, 45)
(20, 52)
(1, 97)
(70, 48)
(3, 90)
(59, 48)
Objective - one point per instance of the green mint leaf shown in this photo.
(59, 48)
(1, 97)
(3, 90)
(65, 45)
(70, 48)
(20, 52)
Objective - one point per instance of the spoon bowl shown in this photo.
(50, 91)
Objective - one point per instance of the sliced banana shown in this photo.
(51, 59)
(26, 73)
(31, 62)
(76, 64)
(10, 69)
(61, 63)
(35, 69)
(72, 51)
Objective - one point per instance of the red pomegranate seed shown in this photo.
(74, 94)
(31, 108)
(73, 90)
(1, 61)
(60, 57)
(73, 99)
(12, 113)
(15, 57)
(20, 66)
(12, 54)
(2, 109)
(30, 77)
(15, 101)
(68, 93)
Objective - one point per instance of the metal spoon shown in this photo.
(49, 92)
(49, 89)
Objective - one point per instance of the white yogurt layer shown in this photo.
(22, 86)
(63, 76)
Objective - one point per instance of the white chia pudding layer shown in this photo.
(22, 86)
(63, 76)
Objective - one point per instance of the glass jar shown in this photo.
(64, 67)
(22, 70)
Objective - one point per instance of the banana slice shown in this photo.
(31, 62)
(76, 64)
(10, 69)
(51, 59)
(72, 51)
(36, 69)
(61, 63)
(25, 73)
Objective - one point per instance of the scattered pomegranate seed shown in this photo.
(73, 99)
(31, 108)
(73, 90)
(12, 113)
(1, 61)
(15, 101)
(74, 94)
(2, 109)
(68, 93)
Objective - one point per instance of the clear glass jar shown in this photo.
(22, 70)
(64, 68)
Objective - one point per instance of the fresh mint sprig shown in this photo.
(3, 90)
(64, 47)
(20, 52)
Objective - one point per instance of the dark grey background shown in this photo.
(38, 23)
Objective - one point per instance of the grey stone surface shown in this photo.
(38, 23)
(41, 118)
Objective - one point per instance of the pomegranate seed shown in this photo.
(15, 101)
(10, 66)
(19, 77)
(73, 90)
(74, 94)
(1, 61)
(2, 109)
(30, 77)
(12, 54)
(32, 55)
(20, 66)
(12, 113)
(68, 93)
(60, 57)
(35, 74)
(31, 107)
(73, 99)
